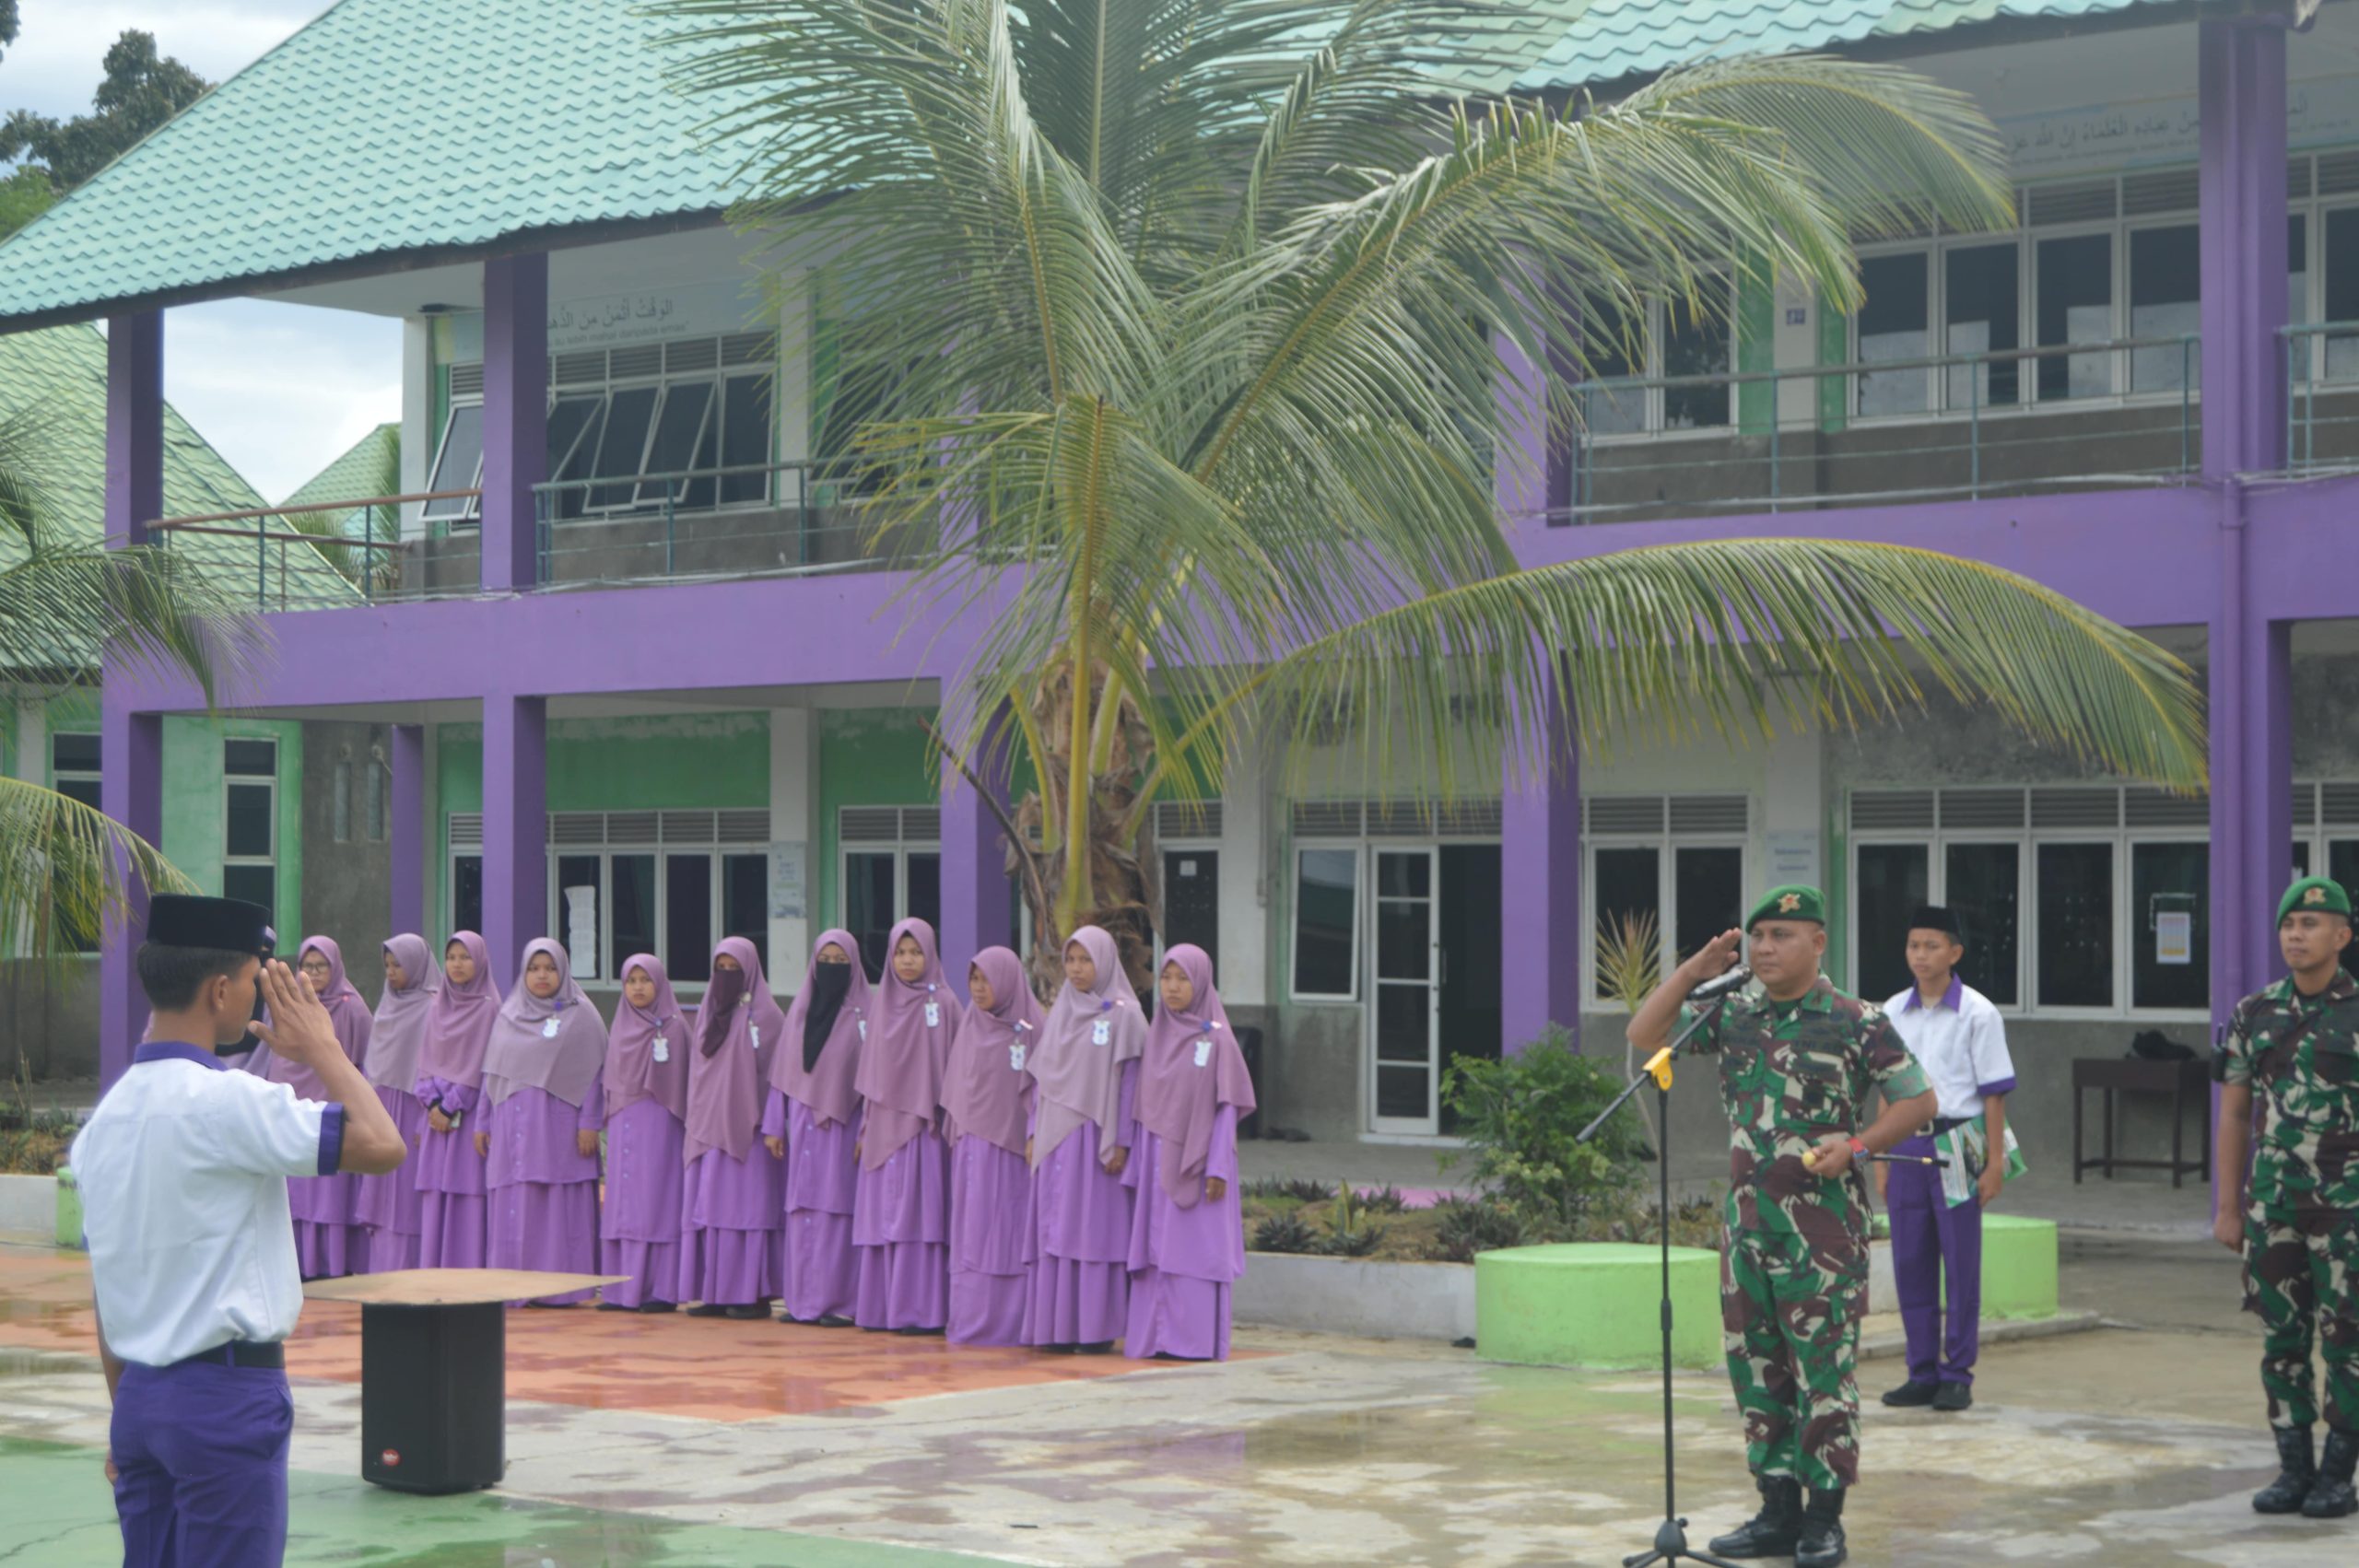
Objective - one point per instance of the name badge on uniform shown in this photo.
(1101, 1032)
(754, 1031)
(864, 1028)
(663, 1049)
(548, 1029)
(933, 1015)
(1204, 1050)
(1015, 1056)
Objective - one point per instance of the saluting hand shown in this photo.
(298, 1028)
(1712, 960)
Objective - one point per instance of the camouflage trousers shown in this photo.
(2302, 1281)
(1789, 1316)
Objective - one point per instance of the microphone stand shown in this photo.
(1671, 1539)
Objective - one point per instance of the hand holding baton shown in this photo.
(1810, 1159)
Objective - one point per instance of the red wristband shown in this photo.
(1859, 1149)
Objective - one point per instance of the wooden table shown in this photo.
(434, 1369)
(2182, 1081)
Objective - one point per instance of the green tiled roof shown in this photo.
(355, 476)
(383, 126)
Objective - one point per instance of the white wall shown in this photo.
(795, 797)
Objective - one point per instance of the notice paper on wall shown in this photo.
(581, 928)
(2174, 937)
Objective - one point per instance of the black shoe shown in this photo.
(2331, 1496)
(1774, 1530)
(913, 1332)
(707, 1309)
(750, 1311)
(615, 1306)
(1911, 1395)
(2297, 1471)
(1096, 1348)
(654, 1306)
(1822, 1544)
(832, 1321)
(1954, 1397)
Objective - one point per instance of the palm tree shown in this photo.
(322, 509)
(1198, 312)
(65, 608)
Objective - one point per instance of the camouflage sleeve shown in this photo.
(2232, 1057)
(1895, 1072)
(1704, 1041)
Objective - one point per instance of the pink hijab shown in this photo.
(826, 1087)
(1079, 1062)
(1192, 1068)
(458, 1026)
(346, 1011)
(984, 1092)
(557, 1046)
(737, 1029)
(399, 1027)
(902, 1061)
(647, 1051)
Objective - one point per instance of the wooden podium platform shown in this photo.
(434, 1369)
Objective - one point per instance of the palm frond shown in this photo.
(66, 609)
(61, 873)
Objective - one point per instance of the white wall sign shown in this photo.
(787, 876)
(2319, 111)
(1793, 856)
(653, 315)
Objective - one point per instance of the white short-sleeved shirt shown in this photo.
(1961, 1042)
(183, 1170)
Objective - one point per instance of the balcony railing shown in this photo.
(2322, 404)
(792, 519)
(290, 568)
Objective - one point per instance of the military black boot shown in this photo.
(2330, 1495)
(2297, 1468)
(1822, 1544)
(1773, 1531)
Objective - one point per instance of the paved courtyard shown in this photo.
(670, 1441)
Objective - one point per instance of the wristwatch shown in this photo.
(1859, 1152)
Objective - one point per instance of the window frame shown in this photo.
(1357, 848)
(1653, 415)
(1194, 844)
(90, 776)
(270, 782)
(1666, 846)
(900, 849)
(604, 854)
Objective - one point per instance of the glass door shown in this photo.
(1404, 1020)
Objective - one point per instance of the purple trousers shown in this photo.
(200, 1453)
(1933, 1244)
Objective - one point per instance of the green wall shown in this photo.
(867, 757)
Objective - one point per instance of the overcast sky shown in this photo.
(280, 390)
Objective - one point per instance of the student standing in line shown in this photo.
(986, 1100)
(813, 1122)
(1188, 1231)
(1085, 1075)
(329, 1241)
(545, 1109)
(451, 1227)
(732, 1208)
(647, 1104)
(901, 1223)
(386, 1206)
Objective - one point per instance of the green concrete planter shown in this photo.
(1596, 1304)
(2018, 1267)
(69, 1209)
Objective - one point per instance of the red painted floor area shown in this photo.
(712, 1368)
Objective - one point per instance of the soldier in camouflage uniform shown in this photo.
(1797, 1062)
(2297, 1043)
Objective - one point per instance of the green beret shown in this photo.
(1792, 902)
(2323, 894)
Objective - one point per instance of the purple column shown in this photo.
(974, 861)
(2241, 69)
(515, 419)
(130, 787)
(515, 830)
(405, 831)
(1542, 934)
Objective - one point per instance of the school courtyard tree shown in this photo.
(1175, 333)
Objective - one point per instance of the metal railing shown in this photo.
(294, 569)
(2322, 397)
(787, 519)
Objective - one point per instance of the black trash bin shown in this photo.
(1249, 1042)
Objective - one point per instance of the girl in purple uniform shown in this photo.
(814, 1123)
(986, 1101)
(450, 1078)
(386, 1206)
(901, 1223)
(647, 1102)
(733, 1207)
(547, 1107)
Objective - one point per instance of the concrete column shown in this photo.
(1542, 926)
(32, 762)
(974, 860)
(515, 829)
(2241, 71)
(515, 420)
(794, 840)
(406, 830)
(418, 412)
(1250, 875)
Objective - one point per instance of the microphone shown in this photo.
(1735, 980)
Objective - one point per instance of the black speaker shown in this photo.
(433, 1395)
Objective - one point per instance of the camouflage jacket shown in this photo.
(1790, 1074)
(2300, 1057)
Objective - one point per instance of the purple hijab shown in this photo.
(458, 1026)
(1192, 1068)
(400, 1028)
(1080, 1076)
(902, 1061)
(737, 1029)
(647, 1051)
(555, 1046)
(825, 1088)
(984, 1091)
(346, 1011)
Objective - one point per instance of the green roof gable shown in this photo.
(357, 476)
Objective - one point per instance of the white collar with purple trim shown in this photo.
(1953, 999)
(172, 1050)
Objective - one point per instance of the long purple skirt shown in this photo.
(451, 1219)
(990, 1235)
(387, 1206)
(1075, 1304)
(731, 1251)
(1081, 1247)
(640, 1227)
(546, 1225)
(822, 1185)
(1174, 1315)
(901, 1229)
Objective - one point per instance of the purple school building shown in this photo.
(629, 678)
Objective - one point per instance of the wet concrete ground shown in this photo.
(2119, 1445)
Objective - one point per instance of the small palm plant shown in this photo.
(1630, 967)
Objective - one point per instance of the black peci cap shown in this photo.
(229, 925)
(1934, 918)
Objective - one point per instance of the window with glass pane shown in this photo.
(2301, 860)
(2074, 281)
(745, 901)
(1192, 900)
(2075, 883)
(1326, 936)
(679, 429)
(85, 791)
(1696, 344)
(1708, 896)
(925, 888)
(250, 824)
(2338, 280)
(2170, 963)
(1982, 313)
(623, 445)
(746, 437)
(577, 887)
(466, 892)
(1983, 887)
(574, 425)
(868, 905)
(1894, 879)
(458, 464)
(255, 884)
(1629, 886)
(1614, 355)
(688, 917)
(2342, 864)
(2298, 269)
(631, 906)
(1893, 326)
(74, 754)
(2163, 267)
(250, 759)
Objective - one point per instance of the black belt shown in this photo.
(240, 1352)
(1945, 1123)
